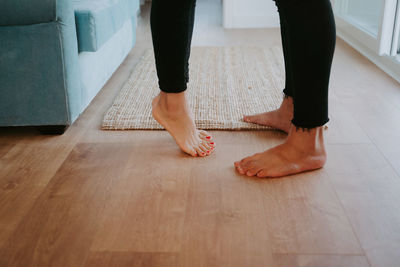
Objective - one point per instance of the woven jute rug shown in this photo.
(225, 84)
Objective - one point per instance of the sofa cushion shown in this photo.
(98, 20)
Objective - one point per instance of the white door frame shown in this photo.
(381, 49)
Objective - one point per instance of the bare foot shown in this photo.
(172, 112)
(303, 151)
(279, 119)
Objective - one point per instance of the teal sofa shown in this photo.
(56, 55)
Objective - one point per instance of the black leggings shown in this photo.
(308, 38)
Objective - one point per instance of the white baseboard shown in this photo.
(388, 64)
(249, 14)
(238, 22)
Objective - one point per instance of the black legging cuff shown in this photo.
(172, 88)
(308, 126)
(287, 93)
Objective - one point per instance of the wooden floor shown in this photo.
(131, 198)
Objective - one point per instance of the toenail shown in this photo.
(212, 143)
(208, 137)
(208, 151)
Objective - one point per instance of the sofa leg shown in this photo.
(52, 129)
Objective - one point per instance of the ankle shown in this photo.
(287, 107)
(310, 141)
(173, 102)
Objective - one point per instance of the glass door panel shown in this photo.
(396, 32)
(364, 14)
(371, 22)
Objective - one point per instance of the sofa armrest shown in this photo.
(26, 12)
(39, 69)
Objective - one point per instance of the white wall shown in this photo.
(250, 14)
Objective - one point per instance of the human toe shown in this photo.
(239, 169)
(263, 173)
(205, 135)
(200, 152)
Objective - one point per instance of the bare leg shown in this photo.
(172, 112)
(302, 151)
